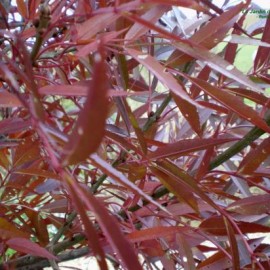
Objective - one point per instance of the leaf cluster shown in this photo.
(134, 134)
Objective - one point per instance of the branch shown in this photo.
(40, 263)
(28, 261)
(41, 26)
(249, 138)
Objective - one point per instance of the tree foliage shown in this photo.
(133, 134)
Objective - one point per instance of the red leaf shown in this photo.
(210, 34)
(137, 30)
(254, 205)
(113, 173)
(262, 55)
(28, 247)
(27, 151)
(154, 233)
(8, 230)
(57, 206)
(217, 63)
(216, 226)
(185, 147)
(22, 8)
(93, 45)
(8, 100)
(256, 97)
(64, 90)
(214, 262)
(108, 224)
(13, 125)
(232, 102)
(233, 244)
(161, 73)
(89, 129)
(255, 158)
(37, 172)
(177, 187)
(91, 234)
(190, 112)
(97, 23)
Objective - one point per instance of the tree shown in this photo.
(133, 134)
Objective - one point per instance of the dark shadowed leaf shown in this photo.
(9, 230)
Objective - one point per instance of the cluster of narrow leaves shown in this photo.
(129, 132)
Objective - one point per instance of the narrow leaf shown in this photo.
(108, 224)
(190, 112)
(90, 232)
(254, 205)
(185, 147)
(9, 230)
(154, 233)
(233, 244)
(89, 129)
(8, 100)
(232, 102)
(255, 158)
(216, 226)
(92, 26)
(28, 247)
(112, 172)
(22, 8)
(217, 63)
(161, 73)
(137, 30)
(208, 35)
(177, 187)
